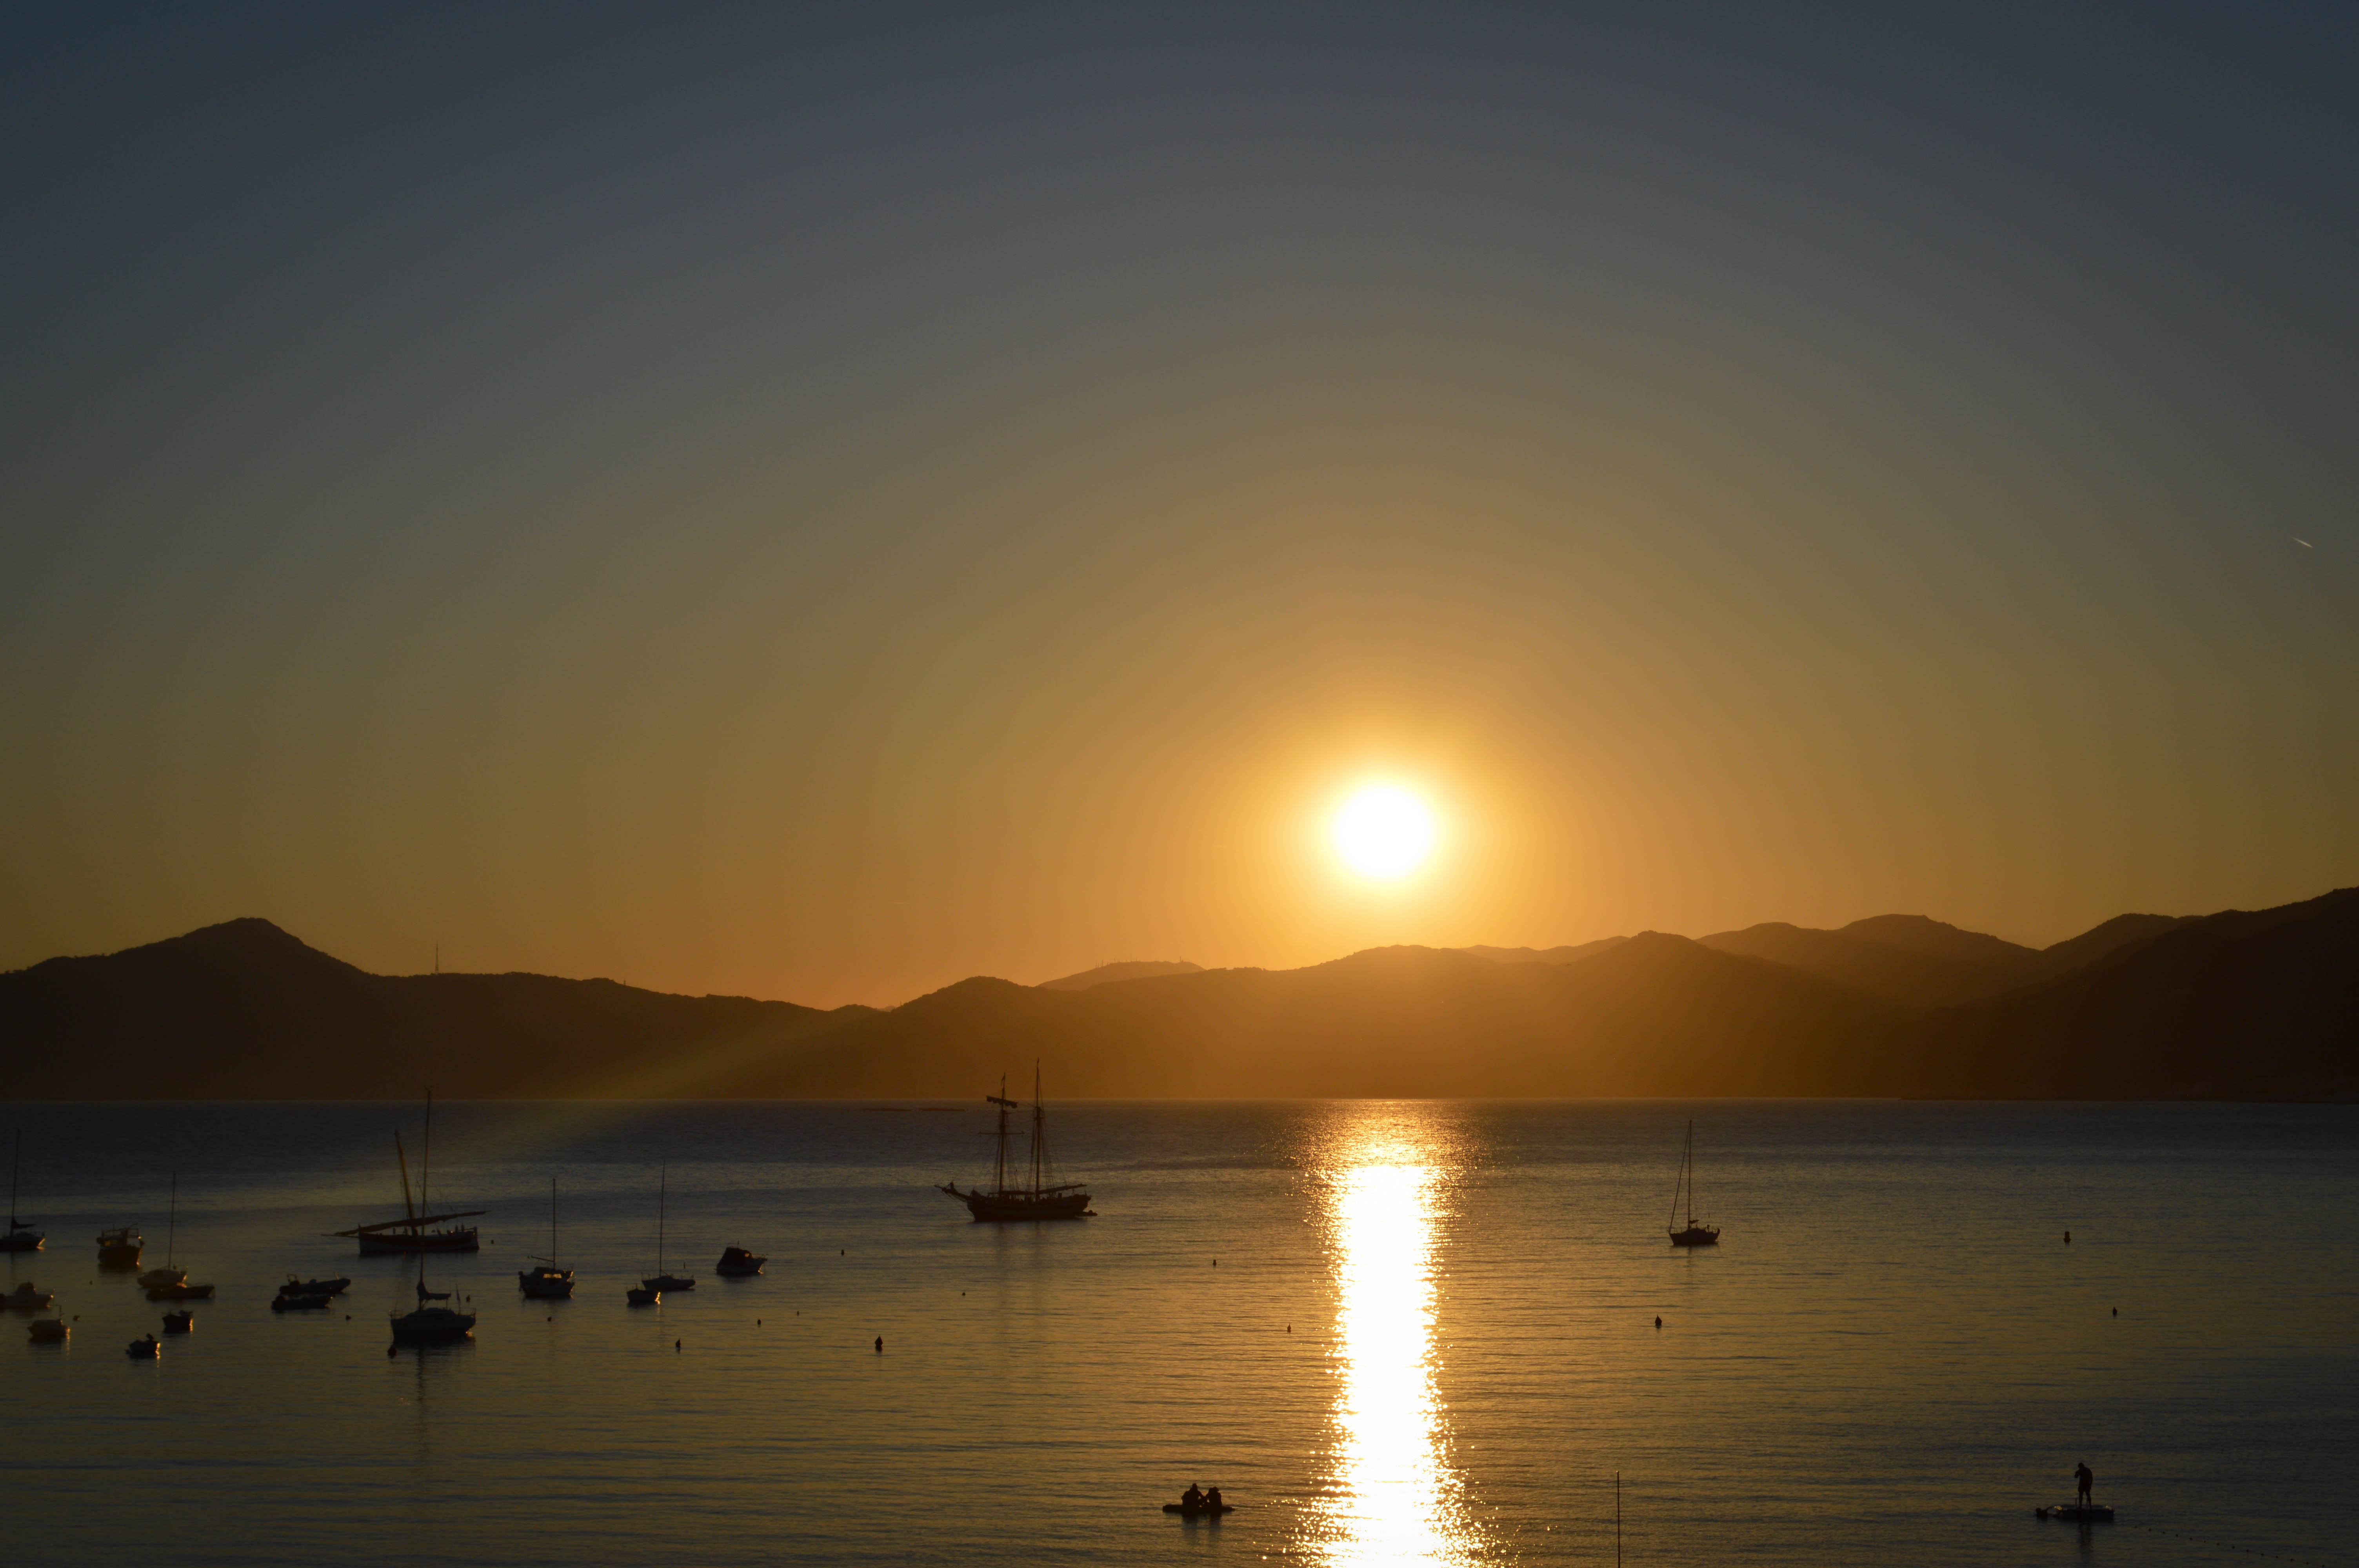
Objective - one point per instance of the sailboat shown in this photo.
(548, 1282)
(1044, 1197)
(661, 1282)
(415, 1232)
(170, 1282)
(21, 1236)
(430, 1324)
(1694, 1235)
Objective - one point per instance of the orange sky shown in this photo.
(819, 517)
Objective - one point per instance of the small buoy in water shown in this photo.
(1658, 1322)
(1289, 1329)
(839, 1252)
(880, 1345)
(1216, 1263)
(2117, 1312)
(675, 1345)
(758, 1322)
(2067, 1239)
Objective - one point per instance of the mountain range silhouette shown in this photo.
(2235, 1005)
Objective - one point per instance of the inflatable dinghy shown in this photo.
(1200, 1510)
(2080, 1513)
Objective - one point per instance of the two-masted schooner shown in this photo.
(1040, 1198)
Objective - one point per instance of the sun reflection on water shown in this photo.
(1391, 1496)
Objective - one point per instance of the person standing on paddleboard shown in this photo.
(2087, 1477)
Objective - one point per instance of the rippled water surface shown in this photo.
(1392, 1332)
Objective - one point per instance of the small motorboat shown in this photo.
(295, 1287)
(119, 1247)
(2077, 1513)
(644, 1296)
(736, 1263)
(181, 1322)
(180, 1291)
(145, 1348)
(670, 1283)
(51, 1330)
(301, 1301)
(27, 1297)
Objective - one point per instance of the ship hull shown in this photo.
(1001, 1209)
(380, 1243)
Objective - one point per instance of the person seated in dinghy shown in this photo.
(1193, 1497)
(1213, 1499)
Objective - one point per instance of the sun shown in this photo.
(1384, 832)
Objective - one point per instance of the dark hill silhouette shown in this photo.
(1657, 1015)
(1107, 974)
(243, 1010)
(1565, 954)
(1923, 963)
(2237, 1005)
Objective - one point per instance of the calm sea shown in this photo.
(1392, 1332)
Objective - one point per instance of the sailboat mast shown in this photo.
(15, 1169)
(1691, 1224)
(426, 1166)
(552, 1222)
(663, 1184)
(402, 1159)
(172, 1221)
(1040, 1128)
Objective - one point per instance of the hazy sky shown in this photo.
(818, 503)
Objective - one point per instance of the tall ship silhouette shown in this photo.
(1042, 1197)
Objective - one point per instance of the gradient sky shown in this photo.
(821, 502)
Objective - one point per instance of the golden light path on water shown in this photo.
(1391, 1494)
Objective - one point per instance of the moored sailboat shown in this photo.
(21, 1236)
(662, 1279)
(432, 1324)
(170, 1282)
(1693, 1235)
(548, 1282)
(1043, 1196)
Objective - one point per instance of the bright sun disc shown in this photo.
(1383, 831)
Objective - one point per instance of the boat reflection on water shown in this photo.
(1391, 1494)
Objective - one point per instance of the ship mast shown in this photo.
(999, 1172)
(1039, 1129)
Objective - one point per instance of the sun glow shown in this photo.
(1383, 831)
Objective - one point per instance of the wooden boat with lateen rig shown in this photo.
(1042, 1197)
(417, 1231)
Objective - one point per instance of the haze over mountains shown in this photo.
(2231, 1005)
